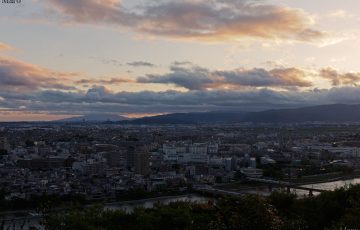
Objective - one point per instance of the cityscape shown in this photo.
(179, 114)
(110, 162)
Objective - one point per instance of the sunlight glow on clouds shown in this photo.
(5, 47)
(140, 58)
(20, 76)
(28, 88)
(207, 20)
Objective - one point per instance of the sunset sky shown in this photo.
(60, 58)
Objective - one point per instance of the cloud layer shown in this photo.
(29, 88)
(198, 78)
(99, 99)
(206, 20)
(21, 77)
(4, 46)
(337, 78)
(140, 64)
(109, 81)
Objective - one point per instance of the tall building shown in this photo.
(130, 154)
(252, 163)
(4, 144)
(115, 158)
(142, 163)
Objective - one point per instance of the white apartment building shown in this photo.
(186, 153)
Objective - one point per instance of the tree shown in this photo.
(3, 152)
(329, 210)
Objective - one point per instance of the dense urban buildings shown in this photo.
(104, 160)
(110, 161)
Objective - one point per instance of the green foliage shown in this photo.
(3, 194)
(41, 203)
(173, 216)
(3, 152)
(239, 175)
(29, 143)
(273, 171)
(249, 212)
(335, 209)
(280, 211)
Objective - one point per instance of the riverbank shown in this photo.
(23, 218)
(257, 187)
(104, 203)
(239, 186)
(323, 178)
(36, 203)
(129, 206)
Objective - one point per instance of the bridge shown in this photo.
(218, 192)
(286, 184)
(276, 183)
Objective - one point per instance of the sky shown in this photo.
(63, 58)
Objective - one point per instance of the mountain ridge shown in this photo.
(93, 118)
(319, 113)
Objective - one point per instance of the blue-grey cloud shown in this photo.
(197, 78)
(30, 88)
(140, 64)
(99, 99)
(194, 78)
(107, 61)
(107, 81)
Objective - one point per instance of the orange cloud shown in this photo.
(29, 116)
(291, 76)
(205, 20)
(20, 76)
(4, 46)
(110, 81)
(337, 78)
(259, 21)
(139, 115)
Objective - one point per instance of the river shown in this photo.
(329, 186)
(129, 206)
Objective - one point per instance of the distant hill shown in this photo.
(192, 118)
(93, 118)
(324, 113)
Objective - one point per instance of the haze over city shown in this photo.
(138, 58)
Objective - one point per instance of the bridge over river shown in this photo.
(267, 182)
(286, 185)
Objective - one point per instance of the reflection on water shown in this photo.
(333, 185)
(149, 203)
(328, 186)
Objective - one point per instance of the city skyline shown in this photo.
(62, 58)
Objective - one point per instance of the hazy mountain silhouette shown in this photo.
(94, 118)
(324, 113)
(191, 118)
